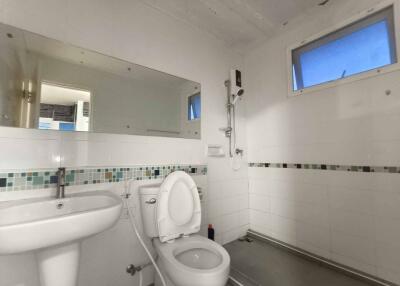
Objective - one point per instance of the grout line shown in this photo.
(331, 264)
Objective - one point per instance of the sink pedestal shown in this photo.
(55, 229)
(59, 265)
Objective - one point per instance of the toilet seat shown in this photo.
(178, 211)
(212, 269)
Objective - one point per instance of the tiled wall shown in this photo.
(349, 217)
(327, 167)
(129, 30)
(44, 179)
(352, 217)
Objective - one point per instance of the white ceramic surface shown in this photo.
(184, 257)
(39, 223)
(195, 261)
(59, 265)
(54, 228)
(178, 207)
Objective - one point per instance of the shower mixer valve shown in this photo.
(239, 151)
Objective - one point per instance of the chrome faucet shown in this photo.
(61, 183)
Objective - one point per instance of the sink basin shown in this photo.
(54, 228)
(38, 223)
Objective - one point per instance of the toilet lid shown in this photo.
(178, 207)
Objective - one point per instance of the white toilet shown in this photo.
(172, 212)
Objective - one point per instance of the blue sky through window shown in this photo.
(360, 51)
(194, 107)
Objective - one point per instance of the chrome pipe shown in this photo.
(60, 183)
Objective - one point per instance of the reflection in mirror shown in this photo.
(47, 84)
(63, 108)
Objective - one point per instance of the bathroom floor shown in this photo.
(259, 263)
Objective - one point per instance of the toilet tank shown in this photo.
(148, 200)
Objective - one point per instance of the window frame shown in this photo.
(188, 106)
(344, 27)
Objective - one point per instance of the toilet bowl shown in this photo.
(194, 261)
(171, 215)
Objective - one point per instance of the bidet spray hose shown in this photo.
(140, 278)
(134, 227)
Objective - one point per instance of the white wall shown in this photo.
(131, 31)
(351, 218)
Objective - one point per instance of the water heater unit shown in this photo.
(235, 81)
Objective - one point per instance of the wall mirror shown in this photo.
(47, 84)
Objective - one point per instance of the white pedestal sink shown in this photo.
(54, 229)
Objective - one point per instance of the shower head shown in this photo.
(237, 96)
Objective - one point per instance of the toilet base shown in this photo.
(182, 271)
(157, 279)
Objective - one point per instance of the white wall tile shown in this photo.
(23, 153)
(352, 180)
(244, 218)
(352, 223)
(233, 234)
(357, 248)
(244, 202)
(389, 275)
(388, 256)
(311, 193)
(388, 231)
(260, 203)
(341, 198)
(349, 124)
(387, 204)
(316, 236)
(260, 219)
(230, 221)
(214, 209)
(283, 229)
(132, 31)
(385, 153)
(230, 205)
(258, 186)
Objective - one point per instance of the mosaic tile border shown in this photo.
(327, 167)
(44, 179)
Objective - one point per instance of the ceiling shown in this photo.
(239, 23)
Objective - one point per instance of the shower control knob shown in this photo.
(239, 152)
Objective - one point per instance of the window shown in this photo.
(362, 46)
(194, 106)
